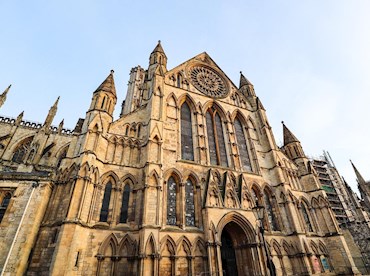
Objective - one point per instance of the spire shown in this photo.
(359, 177)
(158, 48)
(288, 135)
(51, 114)
(3, 96)
(243, 80)
(108, 85)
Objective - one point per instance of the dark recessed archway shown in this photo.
(238, 255)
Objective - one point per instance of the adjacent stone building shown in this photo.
(169, 188)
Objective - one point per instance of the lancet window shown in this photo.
(125, 204)
(306, 218)
(271, 217)
(4, 205)
(171, 201)
(242, 145)
(187, 148)
(216, 141)
(104, 211)
(189, 204)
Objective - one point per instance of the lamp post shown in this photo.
(259, 213)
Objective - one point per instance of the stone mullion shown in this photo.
(112, 205)
(218, 259)
(198, 206)
(202, 144)
(93, 203)
(180, 205)
(234, 150)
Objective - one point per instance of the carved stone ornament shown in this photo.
(208, 81)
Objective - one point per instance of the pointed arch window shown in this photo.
(187, 149)
(179, 80)
(306, 218)
(104, 212)
(124, 205)
(171, 201)
(271, 217)
(189, 204)
(4, 205)
(22, 150)
(242, 145)
(216, 141)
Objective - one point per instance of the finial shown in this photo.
(159, 41)
(282, 122)
(112, 71)
(241, 73)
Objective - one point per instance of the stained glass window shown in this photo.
(189, 204)
(105, 205)
(187, 149)
(171, 201)
(211, 139)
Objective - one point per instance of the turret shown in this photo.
(246, 87)
(292, 146)
(3, 95)
(105, 98)
(157, 62)
(306, 172)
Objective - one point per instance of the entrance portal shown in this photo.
(238, 253)
(228, 255)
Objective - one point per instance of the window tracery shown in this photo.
(216, 141)
(22, 150)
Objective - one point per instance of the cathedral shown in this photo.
(188, 180)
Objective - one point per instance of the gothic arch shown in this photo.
(173, 172)
(110, 240)
(129, 177)
(110, 175)
(187, 98)
(217, 106)
(244, 224)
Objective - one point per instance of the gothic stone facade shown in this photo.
(167, 189)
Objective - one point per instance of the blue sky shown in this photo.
(308, 60)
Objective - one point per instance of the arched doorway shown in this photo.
(238, 252)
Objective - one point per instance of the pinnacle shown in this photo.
(288, 135)
(243, 80)
(107, 85)
(359, 177)
(158, 48)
